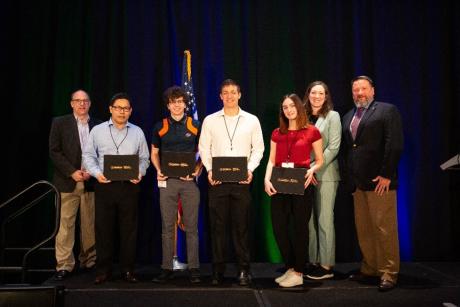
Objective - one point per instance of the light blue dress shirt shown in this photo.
(107, 139)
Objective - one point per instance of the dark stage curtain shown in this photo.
(410, 48)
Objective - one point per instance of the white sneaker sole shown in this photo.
(321, 277)
(290, 283)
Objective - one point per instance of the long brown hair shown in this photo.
(301, 120)
(327, 105)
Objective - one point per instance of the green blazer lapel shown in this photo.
(321, 124)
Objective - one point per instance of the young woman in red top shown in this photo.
(290, 146)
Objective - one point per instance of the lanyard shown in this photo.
(118, 146)
(289, 146)
(228, 133)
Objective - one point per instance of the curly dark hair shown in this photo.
(174, 92)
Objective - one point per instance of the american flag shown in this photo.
(187, 84)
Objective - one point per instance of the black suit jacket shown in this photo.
(65, 151)
(376, 149)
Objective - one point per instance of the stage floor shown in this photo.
(420, 284)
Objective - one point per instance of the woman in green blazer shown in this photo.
(318, 104)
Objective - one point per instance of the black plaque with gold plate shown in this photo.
(288, 180)
(230, 169)
(177, 164)
(121, 167)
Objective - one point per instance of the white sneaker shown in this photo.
(284, 276)
(292, 280)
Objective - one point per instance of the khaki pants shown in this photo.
(377, 228)
(65, 239)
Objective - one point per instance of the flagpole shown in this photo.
(177, 265)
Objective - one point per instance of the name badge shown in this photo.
(162, 184)
(287, 164)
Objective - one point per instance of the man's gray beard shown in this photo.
(359, 104)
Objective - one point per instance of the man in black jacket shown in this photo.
(66, 140)
(373, 142)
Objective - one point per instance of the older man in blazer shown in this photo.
(373, 143)
(67, 138)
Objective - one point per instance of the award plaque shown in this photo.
(288, 180)
(230, 169)
(121, 167)
(177, 164)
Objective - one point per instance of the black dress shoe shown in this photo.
(217, 278)
(129, 277)
(386, 285)
(194, 275)
(101, 278)
(244, 278)
(61, 275)
(164, 276)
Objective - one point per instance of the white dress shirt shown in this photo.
(232, 136)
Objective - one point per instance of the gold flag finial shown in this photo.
(189, 63)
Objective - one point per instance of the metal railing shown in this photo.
(57, 203)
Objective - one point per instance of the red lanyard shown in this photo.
(289, 146)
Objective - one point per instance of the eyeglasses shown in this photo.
(81, 101)
(119, 109)
(177, 101)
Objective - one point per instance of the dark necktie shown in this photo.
(355, 122)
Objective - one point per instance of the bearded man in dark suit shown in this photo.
(372, 145)
(67, 138)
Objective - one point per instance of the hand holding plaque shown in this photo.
(230, 169)
(177, 164)
(121, 167)
(289, 180)
(310, 178)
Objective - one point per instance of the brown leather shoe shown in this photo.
(102, 278)
(386, 285)
(129, 277)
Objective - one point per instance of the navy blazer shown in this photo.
(376, 149)
(65, 152)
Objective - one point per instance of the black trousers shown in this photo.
(229, 204)
(297, 208)
(116, 202)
